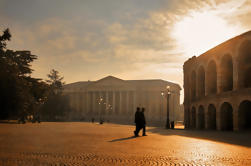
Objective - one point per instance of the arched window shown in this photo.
(211, 117)
(193, 86)
(226, 116)
(201, 82)
(226, 74)
(211, 78)
(244, 115)
(244, 69)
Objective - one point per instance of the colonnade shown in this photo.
(116, 100)
(121, 105)
(109, 102)
(103, 102)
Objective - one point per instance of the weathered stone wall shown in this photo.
(217, 86)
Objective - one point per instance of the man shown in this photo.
(143, 121)
(137, 122)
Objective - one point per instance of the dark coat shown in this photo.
(142, 118)
(137, 117)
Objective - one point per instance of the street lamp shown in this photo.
(100, 102)
(104, 107)
(167, 94)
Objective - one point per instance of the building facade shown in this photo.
(115, 100)
(217, 86)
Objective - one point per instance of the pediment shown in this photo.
(111, 82)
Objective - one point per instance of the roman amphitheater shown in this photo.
(217, 87)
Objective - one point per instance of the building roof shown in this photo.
(150, 82)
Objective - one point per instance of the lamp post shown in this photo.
(167, 94)
(104, 107)
(100, 102)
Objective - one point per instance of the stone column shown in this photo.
(127, 102)
(84, 98)
(235, 117)
(81, 104)
(107, 97)
(206, 83)
(91, 101)
(218, 78)
(197, 117)
(113, 102)
(106, 104)
(133, 102)
(76, 102)
(235, 74)
(146, 103)
(87, 102)
(120, 102)
(99, 105)
(94, 102)
(206, 118)
(218, 120)
(161, 107)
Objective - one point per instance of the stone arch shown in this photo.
(201, 82)
(244, 115)
(211, 117)
(226, 73)
(211, 77)
(201, 117)
(226, 116)
(244, 69)
(193, 86)
(193, 117)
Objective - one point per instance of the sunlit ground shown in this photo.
(179, 126)
(110, 144)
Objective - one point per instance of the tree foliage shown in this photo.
(57, 106)
(55, 81)
(20, 93)
(23, 95)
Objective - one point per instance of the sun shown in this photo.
(199, 31)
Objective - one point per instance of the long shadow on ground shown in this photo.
(8, 122)
(242, 138)
(122, 139)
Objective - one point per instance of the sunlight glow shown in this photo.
(201, 31)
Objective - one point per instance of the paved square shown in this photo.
(79, 143)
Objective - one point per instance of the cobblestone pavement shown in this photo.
(77, 144)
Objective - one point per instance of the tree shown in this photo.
(55, 81)
(57, 106)
(18, 88)
(3, 38)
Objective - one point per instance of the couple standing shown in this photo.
(140, 122)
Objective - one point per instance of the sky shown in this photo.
(129, 39)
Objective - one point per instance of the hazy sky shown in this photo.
(129, 39)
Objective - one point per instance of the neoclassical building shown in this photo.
(217, 86)
(115, 100)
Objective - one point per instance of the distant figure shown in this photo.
(143, 122)
(137, 122)
(22, 119)
(101, 121)
(36, 118)
(93, 120)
